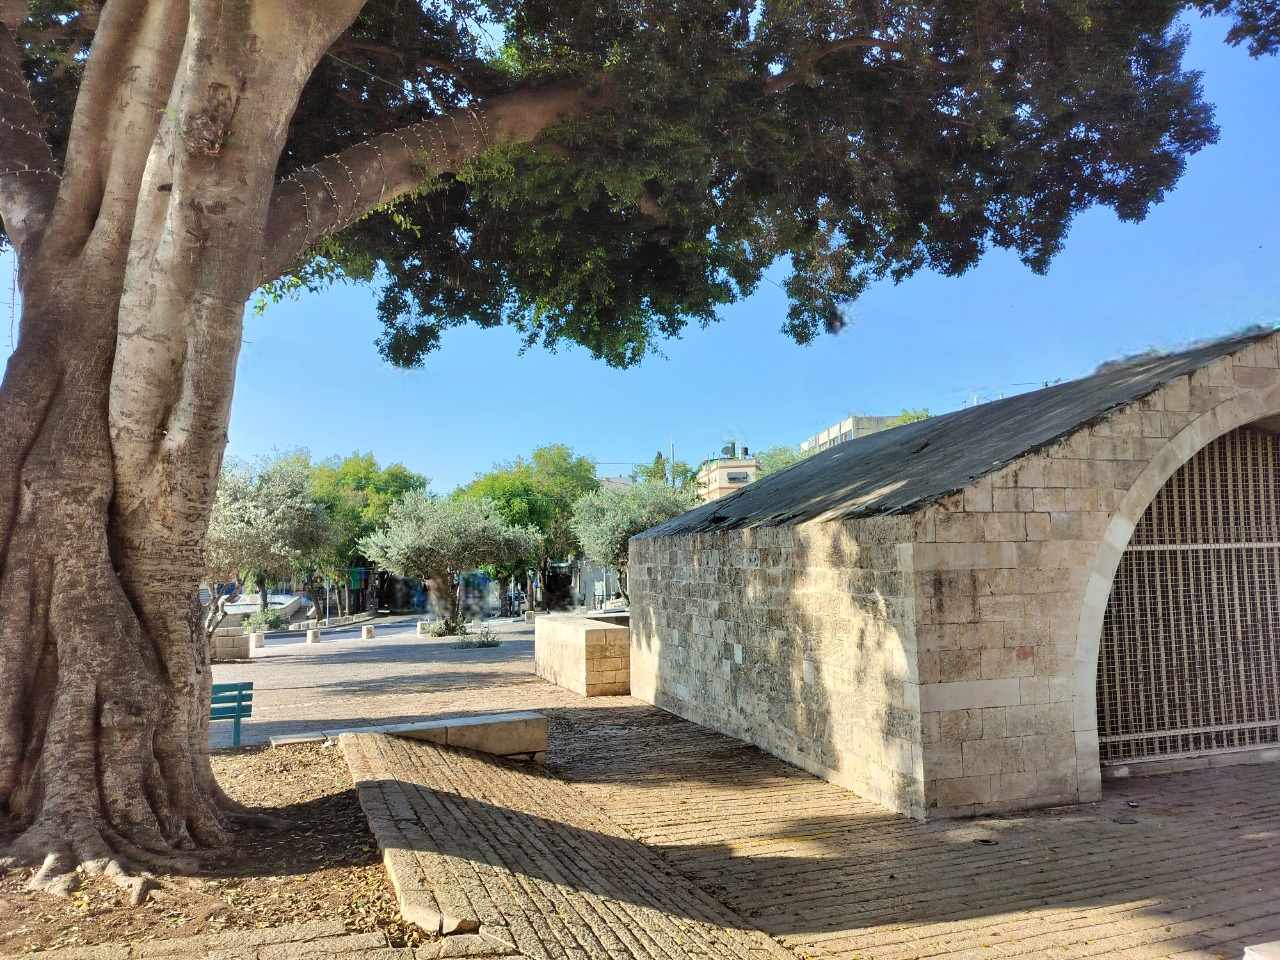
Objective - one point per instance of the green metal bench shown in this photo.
(234, 702)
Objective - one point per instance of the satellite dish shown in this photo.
(727, 450)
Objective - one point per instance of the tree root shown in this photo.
(63, 862)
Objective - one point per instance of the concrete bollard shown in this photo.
(313, 636)
(257, 640)
(424, 628)
(366, 632)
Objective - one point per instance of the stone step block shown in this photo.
(520, 733)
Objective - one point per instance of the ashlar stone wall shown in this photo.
(798, 639)
(589, 656)
(1012, 577)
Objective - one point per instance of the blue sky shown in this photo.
(1202, 265)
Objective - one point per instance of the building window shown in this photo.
(738, 476)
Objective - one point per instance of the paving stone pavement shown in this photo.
(343, 681)
(519, 855)
(1197, 874)
(826, 873)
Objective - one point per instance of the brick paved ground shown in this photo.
(1195, 876)
(521, 854)
(826, 873)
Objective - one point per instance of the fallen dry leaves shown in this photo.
(325, 867)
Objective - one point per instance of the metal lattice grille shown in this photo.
(1190, 652)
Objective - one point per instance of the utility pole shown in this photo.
(672, 464)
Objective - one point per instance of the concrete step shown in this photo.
(517, 734)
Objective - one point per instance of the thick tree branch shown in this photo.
(28, 177)
(786, 78)
(321, 200)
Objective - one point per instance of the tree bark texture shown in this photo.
(135, 262)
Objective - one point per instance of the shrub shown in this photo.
(448, 627)
(266, 620)
(484, 638)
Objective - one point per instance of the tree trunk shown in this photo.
(134, 268)
(115, 404)
(504, 596)
(264, 598)
(444, 599)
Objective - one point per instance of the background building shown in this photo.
(725, 475)
(850, 428)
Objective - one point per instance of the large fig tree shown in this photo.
(589, 170)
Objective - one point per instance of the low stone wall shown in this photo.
(343, 621)
(230, 646)
(581, 654)
(617, 618)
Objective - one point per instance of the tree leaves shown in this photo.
(265, 520)
(426, 536)
(849, 142)
(606, 520)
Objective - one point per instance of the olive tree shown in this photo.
(266, 523)
(438, 540)
(589, 171)
(605, 521)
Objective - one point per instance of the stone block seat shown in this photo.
(519, 734)
(589, 656)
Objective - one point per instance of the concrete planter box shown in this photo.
(585, 655)
(230, 647)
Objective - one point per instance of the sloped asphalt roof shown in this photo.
(903, 469)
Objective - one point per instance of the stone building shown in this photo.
(985, 610)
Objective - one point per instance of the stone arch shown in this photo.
(1239, 411)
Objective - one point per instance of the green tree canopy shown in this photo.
(358, 493)
(266, 521)
(606, 520)
(437, 539)
(780, 457)
(851, 141)
(540, 492)
(663, 469)
(909, 415)
(706, 142)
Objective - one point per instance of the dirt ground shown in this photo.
(325, 867)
